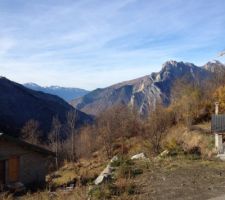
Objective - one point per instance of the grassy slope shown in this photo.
(178, 177)
(168, 178)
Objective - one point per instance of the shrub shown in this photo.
(100, 192)
(122, 160)
(126, 186)
(181, 141)
(173, 146)
(157, 126)
(127, 169)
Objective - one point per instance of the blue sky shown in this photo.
(95, 43)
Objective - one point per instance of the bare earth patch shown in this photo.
(182, 179)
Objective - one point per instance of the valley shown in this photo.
(165, 116)
(112, 100)
(68, 94)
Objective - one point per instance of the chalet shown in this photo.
(218, 128)
(21, 162)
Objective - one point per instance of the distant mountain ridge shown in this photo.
(19, 104)
(67, 93)
(143, 93)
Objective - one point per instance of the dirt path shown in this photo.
(218, 198)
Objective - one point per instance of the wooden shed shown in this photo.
(22, 162)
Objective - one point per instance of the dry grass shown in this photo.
(167, 178)
(180, 139)
(78, 194)
(173, 177)
(87, 170)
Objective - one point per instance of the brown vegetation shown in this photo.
(84, 152)
(157, 126)
(219, 96)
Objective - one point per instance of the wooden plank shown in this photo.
(14, 168)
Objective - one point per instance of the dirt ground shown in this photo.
(172, 178)
(182, 179)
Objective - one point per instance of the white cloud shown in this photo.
(93, 43)
(6, 44)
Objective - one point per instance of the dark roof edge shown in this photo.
(27, 145)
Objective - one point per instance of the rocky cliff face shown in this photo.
(215, 67)
(143, 93)
(19, 104)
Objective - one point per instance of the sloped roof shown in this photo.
(26, 145)
(218, 123)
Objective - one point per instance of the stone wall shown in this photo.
(33, 165)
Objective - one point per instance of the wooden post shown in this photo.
(216, 108)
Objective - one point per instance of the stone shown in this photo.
(164, 153)
(115, 158)
(105, 175)
(138, 156)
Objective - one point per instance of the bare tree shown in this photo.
(31, 132)
(157, 126)
(106, 136)
(86, 141)
(71, 123)
(117, 122)
(55, 137)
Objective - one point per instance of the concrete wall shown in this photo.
(33, 165)
(219, 143)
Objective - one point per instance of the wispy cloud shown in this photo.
(95, 43)
(222, 53)
(6, 44)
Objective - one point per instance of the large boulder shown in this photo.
(105, 175)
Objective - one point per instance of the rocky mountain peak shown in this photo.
(172, 69)
(174, 65)
(170, 63)
(214, 66)
(142, 93)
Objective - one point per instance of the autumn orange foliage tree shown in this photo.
(220, 97)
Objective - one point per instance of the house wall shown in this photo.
(33, 165)
(219, 143)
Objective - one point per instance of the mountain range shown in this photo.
(143, 93)
(19, 104)
(67, 93)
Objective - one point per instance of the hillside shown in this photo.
(19, 104)
(143, 93)
(184, 175)
(65, 93)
